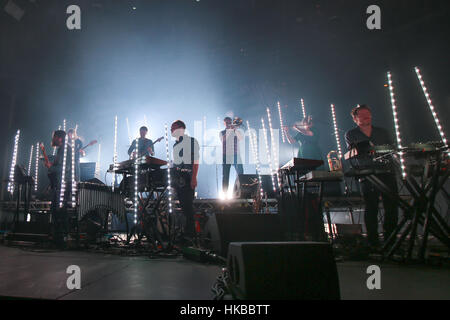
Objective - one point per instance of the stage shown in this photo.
(41, 274)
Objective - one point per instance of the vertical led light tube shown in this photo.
(115, 153)
(13, 163)
(36, 169)
(281, 122)
(169, 182)
(254, 147)
(336, 131)
(274, 149)
(303, 108)
(97, 166)
(432, 109)
(397, 127)
(136, 181)
(31, 160)
(268, 154)
(63, 173)
(74, 183)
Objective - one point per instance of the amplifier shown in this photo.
(87, 171)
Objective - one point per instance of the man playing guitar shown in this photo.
(145, 146)
(79, 150)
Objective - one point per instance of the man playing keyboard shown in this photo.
(366, 132)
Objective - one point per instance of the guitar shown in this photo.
(88, 145)
(133, 154)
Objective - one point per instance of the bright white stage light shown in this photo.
(63, 174)
(432, 109)
(254, 147)
(268, 154)
(74, 183)
(303, 108)
(115, 153)
(36, 168)
(397, 127)
(136, 181)
(274, 149)
(97, 165)
(130, 139)
(13, 163)
(31, 160)
(281, 122)
(169, 182)
(336, 131)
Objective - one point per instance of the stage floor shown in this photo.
(42, 274)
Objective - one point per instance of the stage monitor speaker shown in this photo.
(223, 228)
(87, 171)
(282, 271)
(246, 186)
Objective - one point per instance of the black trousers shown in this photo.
(371, 198)
(226, 166)
(186, 197)
(59, 215)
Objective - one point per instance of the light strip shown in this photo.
(274, 149)
(13, 163)
(64, 125)
(31, 160)
(303, 108)
(97, 166)
(336, 131)
(254, 147)
(281, 122)
(136, 178)
(115, 154)
(397, 127)
(433, 111)
(169, 184)
(268, 153)
(129, 134)
(74, 183)
(63, 174)
(36, 169)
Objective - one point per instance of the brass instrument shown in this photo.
(237, 122)
(334, 162)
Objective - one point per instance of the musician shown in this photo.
(145, 146)
(230, 138)
(307, 137)
(366, 132)
(55, 169)
(79, 152)
(186, 153)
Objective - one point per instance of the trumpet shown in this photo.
(237, 122)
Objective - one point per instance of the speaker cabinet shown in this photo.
(282, 270)
(87, 171)
(223, 228)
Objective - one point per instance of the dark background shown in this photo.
(171, 59)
